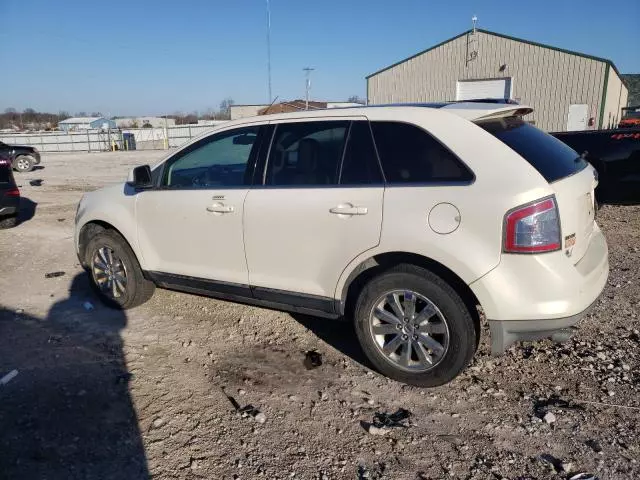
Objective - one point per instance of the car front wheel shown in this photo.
(414, 327)
(115, 273)
(24, 163)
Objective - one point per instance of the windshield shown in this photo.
(553, 159)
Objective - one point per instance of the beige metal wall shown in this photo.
(546, 79)
(244, 111)
(616, 99)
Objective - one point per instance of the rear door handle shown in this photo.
(220, 208)
(349, 209)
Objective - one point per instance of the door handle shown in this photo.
(220, 208)
(349, 209)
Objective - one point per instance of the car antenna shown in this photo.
(271, 105)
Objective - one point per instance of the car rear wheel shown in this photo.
(115, 273)
(24, 163)
(8, 222)
(414, 327)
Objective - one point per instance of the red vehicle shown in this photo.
(630, 117)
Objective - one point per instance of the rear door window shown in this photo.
(553, 159)
(360, 165)
(409, 154)
(306, 153)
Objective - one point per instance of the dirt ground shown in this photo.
(145, 393)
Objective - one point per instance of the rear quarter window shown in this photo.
(553, 159)
(409, 154)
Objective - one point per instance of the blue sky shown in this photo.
(152, 57)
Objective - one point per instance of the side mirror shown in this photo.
(141, 177)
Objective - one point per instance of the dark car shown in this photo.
(23, 157)
(615, 154)
(9, 195)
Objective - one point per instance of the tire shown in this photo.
(24, 163)
(108, 249)
(449, 323)
(8, 222)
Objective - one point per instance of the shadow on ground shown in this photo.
(337, 333)
(27, 209)
(68, 413)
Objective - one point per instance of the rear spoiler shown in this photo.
(476, 112)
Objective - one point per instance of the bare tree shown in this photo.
(209, 114)
(356, 99)
(225, 109)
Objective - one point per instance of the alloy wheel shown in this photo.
(409, 330)
(109, 273)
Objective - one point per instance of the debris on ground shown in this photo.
(8, 377)
(396, 419)
(247, 410)
(36, 183)
(54, 274)
(373, 430)
(383, 422)
(556, 463)
(61, 219)
(88, 306)
(584, 476)
(541, 405)
(158, 422)
(312, 359)
(549, 418)
(594, 445)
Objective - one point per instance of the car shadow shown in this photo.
(27, 209)
(340, 334)
(68, 412)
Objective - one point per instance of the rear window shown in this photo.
(408, 154)
(548, 155)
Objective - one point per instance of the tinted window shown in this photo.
(410, 155)
(306, 153)
(217, 161)
(360, 164)
(5, 172)
(548, 155)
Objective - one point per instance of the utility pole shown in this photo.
(269, 48)
(307, 72)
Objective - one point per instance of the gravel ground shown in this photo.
(151, 392)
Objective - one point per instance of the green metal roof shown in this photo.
(570, 52)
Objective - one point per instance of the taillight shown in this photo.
(14, 192)
(533, 228)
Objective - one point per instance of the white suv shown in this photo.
(402, 218)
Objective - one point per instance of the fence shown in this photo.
(101, 141)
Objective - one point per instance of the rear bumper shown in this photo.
(4, 211)
(528, 297)
(505, 333)
(9, 206)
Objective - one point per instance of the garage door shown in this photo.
(474, 89)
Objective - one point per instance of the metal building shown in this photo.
(86, 123)
(568, 90)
